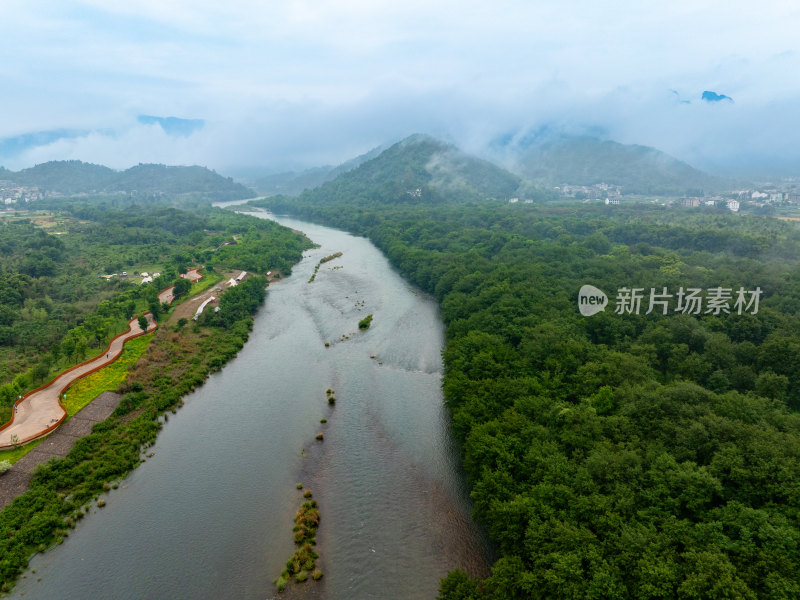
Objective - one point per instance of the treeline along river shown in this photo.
(210, 513)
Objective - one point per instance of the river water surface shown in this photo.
(210, 514)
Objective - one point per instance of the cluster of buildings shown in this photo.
(13, 195)
(754, 198)
(146, 277)
(694, 201)
(598, 191)
(769, 196)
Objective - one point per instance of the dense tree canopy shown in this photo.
(618, 455)
(54, 306)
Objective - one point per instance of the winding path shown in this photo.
(167, 294)
(40, 411)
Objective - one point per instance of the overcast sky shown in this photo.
(302, 83)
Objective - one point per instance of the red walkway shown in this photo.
(40, 411)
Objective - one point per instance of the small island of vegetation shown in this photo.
(365, 322)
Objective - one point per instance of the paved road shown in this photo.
(40, 410)
(193, 275)
(166, 295)
(57, 445)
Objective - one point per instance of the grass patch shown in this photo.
(109, 378)
(209, 280)
(15, 454)
(83, 391)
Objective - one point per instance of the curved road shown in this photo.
(40, 410)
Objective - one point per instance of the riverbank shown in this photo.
(178, 360)
(222, 476)
(41, 411)
(17, 480)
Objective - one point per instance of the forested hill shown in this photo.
(420, 169)
(75, 177)
(291, 183)
(636, 169)
(626, 455)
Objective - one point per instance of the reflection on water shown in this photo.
(210, 514)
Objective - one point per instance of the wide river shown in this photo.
(210, 513)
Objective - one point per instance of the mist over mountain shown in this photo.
(173, 125)
(535, 164)
(586, 160)
(420, 168)
(291, 183)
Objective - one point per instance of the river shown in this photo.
(210, 513)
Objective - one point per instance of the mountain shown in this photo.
(75, 177)
(177, 180)
(418, 169)
(588, 160)
(66, 177)
(291, 183)
(709, 96)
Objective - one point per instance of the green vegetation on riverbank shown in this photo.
(83, 391)
(109, 378)
(618, 455)
(56, 310)
(173, 364)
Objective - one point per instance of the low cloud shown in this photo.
(298, 84)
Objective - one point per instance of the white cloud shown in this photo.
(279, 81)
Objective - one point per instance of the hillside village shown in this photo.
(13, 195)
(768, 197)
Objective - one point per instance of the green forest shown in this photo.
(56, 309)
(585, 160)
(154, 181)
(79, 315)
(618, 455)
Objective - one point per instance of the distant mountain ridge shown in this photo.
(418, 169)
(589, 160)
(72, 177)
(291, 183)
